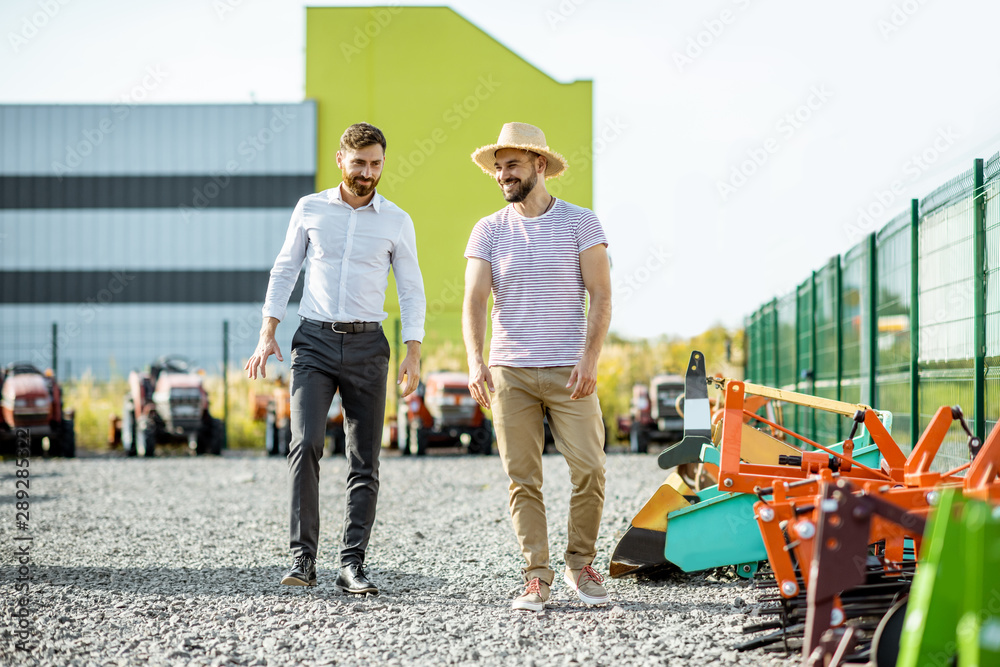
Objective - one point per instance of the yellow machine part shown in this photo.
(653, 515)
(759, 447)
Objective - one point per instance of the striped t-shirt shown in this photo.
(538, 291)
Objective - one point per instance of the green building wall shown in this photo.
(439, 87)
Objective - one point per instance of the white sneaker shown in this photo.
(534, 597)
(588, 585)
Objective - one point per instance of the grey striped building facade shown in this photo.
(138, 230)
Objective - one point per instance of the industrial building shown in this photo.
(137, 230)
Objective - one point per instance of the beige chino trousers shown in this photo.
(519, 403)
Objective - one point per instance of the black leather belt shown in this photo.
(347, 327)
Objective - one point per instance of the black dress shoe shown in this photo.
(354, 579)
(303, 572)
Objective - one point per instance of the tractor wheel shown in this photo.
(67, 440)
(417, 439)
(482, 439)
(203, 440)
(128, 429)
(145, 437)
(638, 440)
(271, 434)
(217, 440)
(338, 442)
(403, 437)
(285, 438)
(885, 643)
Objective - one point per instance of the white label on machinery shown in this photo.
(697, 414)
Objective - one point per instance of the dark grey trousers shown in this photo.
(357, 364)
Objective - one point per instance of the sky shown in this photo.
(739, 144)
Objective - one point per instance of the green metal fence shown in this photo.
(908, 320)
(805, 353)
(787, 350)
(892, 308)
(826, 283)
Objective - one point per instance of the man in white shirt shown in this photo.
(351, 236)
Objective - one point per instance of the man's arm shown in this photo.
(596, 272)
(284, 273)
(266, 346)
(478, 282)
(412, 304)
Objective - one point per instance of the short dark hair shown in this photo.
(360, 135)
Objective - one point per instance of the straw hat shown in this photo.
(525, 137)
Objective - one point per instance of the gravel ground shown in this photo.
(176, 561)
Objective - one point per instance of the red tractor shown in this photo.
(442, 412)
(32, 400)
(654, 413)
(167, 404)
(275, 409)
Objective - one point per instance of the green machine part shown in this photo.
(958, 578)
(979, 628)
(937, 590)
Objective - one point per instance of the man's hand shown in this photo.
(266, 346)
(585, 376)
(410, 368)
(478, 375)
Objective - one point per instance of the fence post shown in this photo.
(225, 376)
(746, 345)
(798, 333)
(812, 352)
(872, 341)
(838, 332)
(914, 322)
(774, 325)
(979, 285)
(55, 350)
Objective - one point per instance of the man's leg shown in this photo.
(581, 442)
(517, 418)
(312, 387)
(362, 388)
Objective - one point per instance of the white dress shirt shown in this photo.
(349, 251)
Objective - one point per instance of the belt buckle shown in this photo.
(333, 327)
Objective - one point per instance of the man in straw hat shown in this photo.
(540, 256)
(352, 236)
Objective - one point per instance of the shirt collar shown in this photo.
(335, 196)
